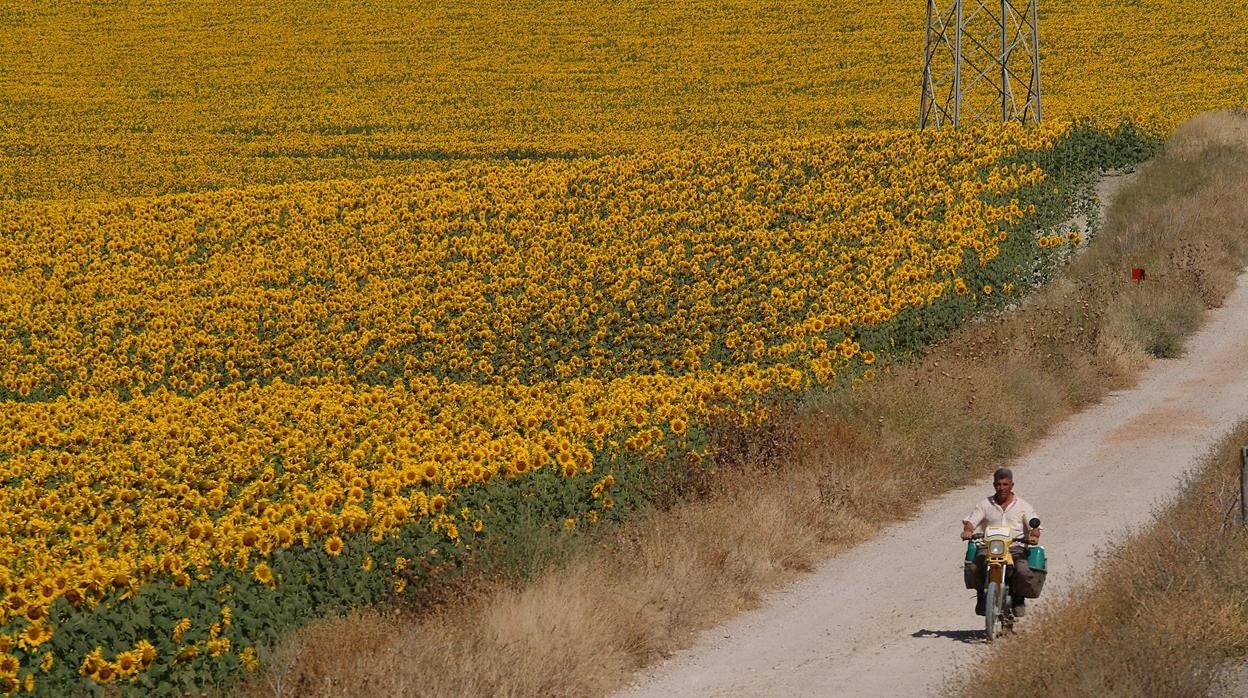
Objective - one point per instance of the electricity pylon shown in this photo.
(981, 63)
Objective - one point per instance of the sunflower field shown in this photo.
(299, 306)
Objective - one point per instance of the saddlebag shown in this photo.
(1031, 586)
(970, 573)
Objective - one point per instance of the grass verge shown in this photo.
(783, 496)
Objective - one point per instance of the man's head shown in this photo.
(1003, 483)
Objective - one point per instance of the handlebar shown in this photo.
(1033, 524)
(978, 537)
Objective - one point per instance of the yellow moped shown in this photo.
(995, 542)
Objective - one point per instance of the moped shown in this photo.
(995, 542)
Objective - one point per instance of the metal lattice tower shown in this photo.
(981, 63)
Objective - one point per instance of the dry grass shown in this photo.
(582, 629)
(786, 496)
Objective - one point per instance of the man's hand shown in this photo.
(1034, 538)
(967, 530)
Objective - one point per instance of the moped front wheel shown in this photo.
(992, 609)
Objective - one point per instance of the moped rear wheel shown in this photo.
(992, 608)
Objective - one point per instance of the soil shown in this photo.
(892, 617)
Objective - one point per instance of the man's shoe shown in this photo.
(1020, 609)
(979, 604)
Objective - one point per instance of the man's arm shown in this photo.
(972, 521)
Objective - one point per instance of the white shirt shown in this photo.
(1016, 514)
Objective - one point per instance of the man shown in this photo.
(1003, 508)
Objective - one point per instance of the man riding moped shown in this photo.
(1004, 508)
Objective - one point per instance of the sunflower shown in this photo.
(248, 657)
(105, 674)
(430, 473)
(333, 546)
(437, 504)
(35, 612)
(9, 665)
(35, 634)
(218, 646)
(180, 628)
(127, 664)
(147, 652)
(263, 574)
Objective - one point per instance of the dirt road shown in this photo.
(891, 616)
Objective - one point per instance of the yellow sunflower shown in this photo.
(263, 574)
(333, 546)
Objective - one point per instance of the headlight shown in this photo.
(996, 547)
